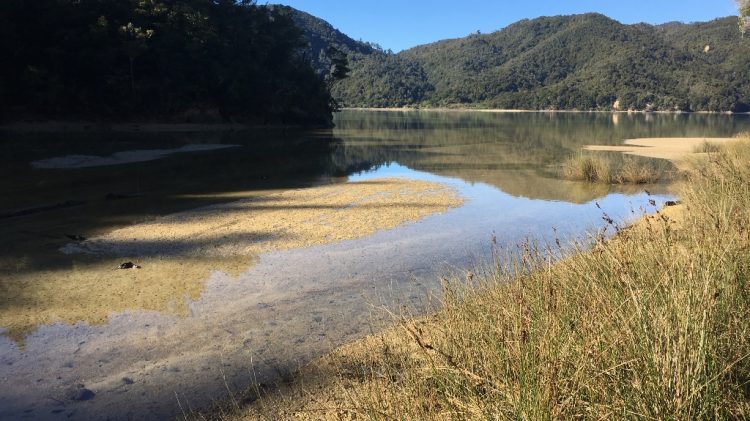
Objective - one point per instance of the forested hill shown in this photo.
(580, 62)
(378, 78)
(177, 60)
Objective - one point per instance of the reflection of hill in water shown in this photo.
(506, 171)
(520, 153)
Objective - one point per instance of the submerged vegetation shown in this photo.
(614, 169)
(651, 323)
(183, 61)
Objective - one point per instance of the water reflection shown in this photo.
(520, 153)
(290, 306)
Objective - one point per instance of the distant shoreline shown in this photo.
(514, 111)
(151, 127)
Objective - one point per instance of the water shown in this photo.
(291, 306)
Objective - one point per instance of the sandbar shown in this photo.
(178, 252)
(670, 148)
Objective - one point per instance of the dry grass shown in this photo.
(707, 147)
(651, 324)
(598, 168)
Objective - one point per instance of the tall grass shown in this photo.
(706, 147)
(607, 169)
(653, 323)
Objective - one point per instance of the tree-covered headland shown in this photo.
(579, 62)
(156, 60)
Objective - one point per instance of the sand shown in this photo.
(178, 252)
(119, 158)
(671, 148)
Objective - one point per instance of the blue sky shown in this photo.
(400, 24)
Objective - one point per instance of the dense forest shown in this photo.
(378, 78)
(584, 62)
(156, 60)
(226, 60)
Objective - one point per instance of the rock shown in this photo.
(80, 393)
(128, 265)
(671, 203)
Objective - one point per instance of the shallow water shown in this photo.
(294, 305)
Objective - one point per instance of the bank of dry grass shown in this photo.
(650, 324)
(618, 169)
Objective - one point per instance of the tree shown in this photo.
(134, 40)
(744, 7)
(339, 65)
(173, 60)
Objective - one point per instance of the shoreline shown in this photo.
(519, 111)
(52, 126)
(370, 373)
(319, 386)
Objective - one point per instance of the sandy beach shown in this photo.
(671, 148)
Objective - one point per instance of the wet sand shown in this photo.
(671, 148)
(119, 158)
(179, 252)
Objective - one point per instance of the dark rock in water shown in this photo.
(80, 393)
(128, 265)
(671, 203)
(76, 237)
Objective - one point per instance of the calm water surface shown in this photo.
(291, 306)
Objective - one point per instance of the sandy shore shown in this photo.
(123, 157)
(671, 148)
(178, 252)
(323, 389)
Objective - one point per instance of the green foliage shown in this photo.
(377, 78)
(125, 59)
(584, 62)
(744, 7)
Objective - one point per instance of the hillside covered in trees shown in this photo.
(224, 60)
(378, 78)
(584, 62)
(180, 60)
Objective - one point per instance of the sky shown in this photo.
(401, 24)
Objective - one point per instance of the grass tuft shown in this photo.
(620, 169)
(707, 147)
